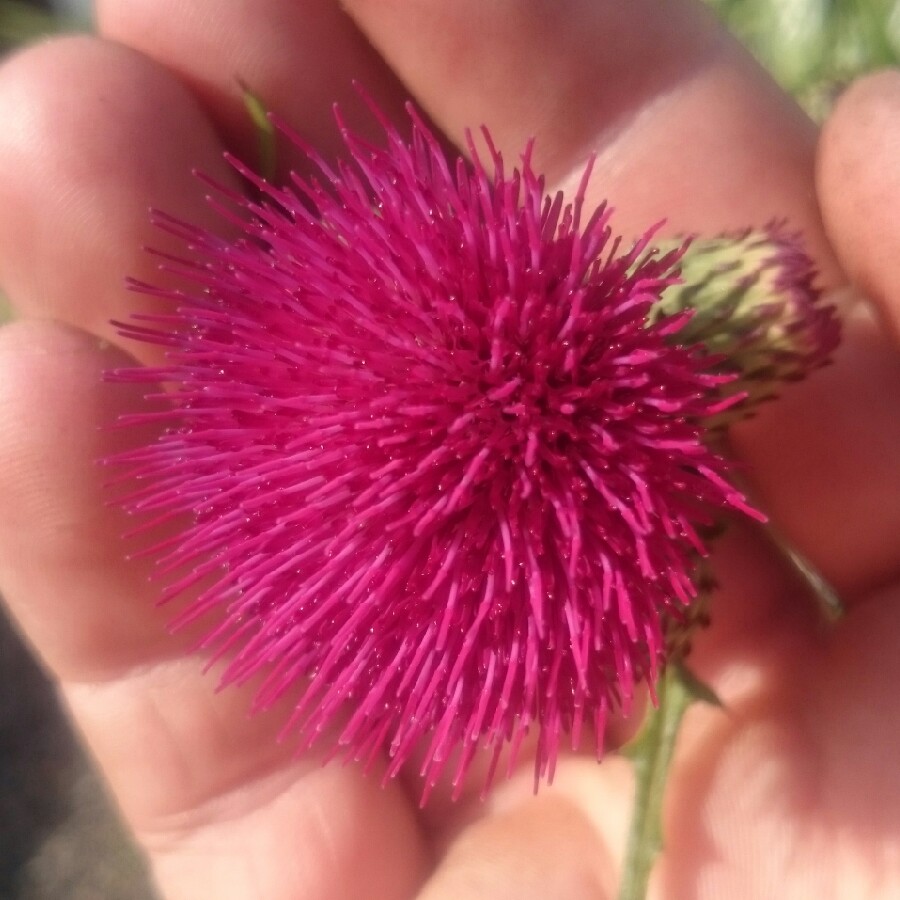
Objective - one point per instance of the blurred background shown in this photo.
(60, 838)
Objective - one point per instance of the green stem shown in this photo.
(651, 751)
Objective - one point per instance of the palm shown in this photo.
(792, 792)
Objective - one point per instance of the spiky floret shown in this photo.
(438, 466)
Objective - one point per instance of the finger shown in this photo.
(61, 546)
(791, 789)
(527, 848)
(683, 120)
(224, 810)
(93, 136)
(90, 613)
(859, 187)
(299, 58)
(194, 775)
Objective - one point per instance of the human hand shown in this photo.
(793, 791)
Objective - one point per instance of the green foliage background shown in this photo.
(815, 47)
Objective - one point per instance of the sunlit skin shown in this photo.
(794, 791)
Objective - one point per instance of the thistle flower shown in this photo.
(438, 466)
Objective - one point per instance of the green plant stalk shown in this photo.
(651, 752)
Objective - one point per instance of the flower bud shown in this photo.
(756, 306)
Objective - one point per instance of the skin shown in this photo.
(792, 792)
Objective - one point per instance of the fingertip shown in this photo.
(858, 180)
(532, 847)
(863, 108)
(93, 134)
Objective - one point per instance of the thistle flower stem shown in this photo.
(651, 752)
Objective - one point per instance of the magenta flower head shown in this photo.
(439, 469)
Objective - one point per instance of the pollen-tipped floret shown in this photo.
(439, 468)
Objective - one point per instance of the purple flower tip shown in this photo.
(438, 467)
